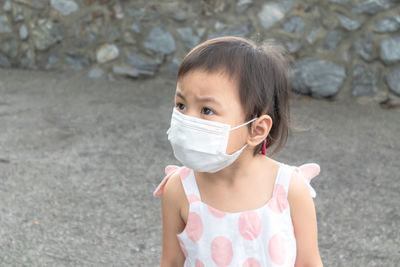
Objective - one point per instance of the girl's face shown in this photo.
(214, 97)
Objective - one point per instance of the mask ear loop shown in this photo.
(264, 148)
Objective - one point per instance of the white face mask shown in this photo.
(201, 144)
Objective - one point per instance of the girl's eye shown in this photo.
(207, 111)
(180, 106)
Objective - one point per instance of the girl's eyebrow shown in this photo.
(208, 99)
(180, 95)
(204, 99)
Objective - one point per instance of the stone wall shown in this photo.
(343, 49)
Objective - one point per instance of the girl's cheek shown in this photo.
(237, 139)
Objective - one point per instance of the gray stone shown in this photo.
(372, 7)
(387, 25)
(390, 49)
(5, 26)
(200, 31)
(135, 27)
(107, 52)
(10, 47)
(51, 62)
(65, 7)
(287, 4)
(160, 41)
(23, 32)
(77, 61)
(346, 56)
(7, 6)
(294, 24)
(364, 47)
(393, 80)
(86, 31)
(273, 12)
(143, 14)
(349, 24)
(180, 14)
(4, 62)
(311, 35)
(112, 34)
(317, 77)
(219, 25)
(143, 66)
(128, 38)
(242, 5)
(95, 73)
(17, 13)
(126, 71)
(118, 12)
(173, 67)
(332, 40)
(136, 12)
(239, 30)
(36, 4)
(293, 46)
(365, 81)
(306, 7)
(28, 60)
(46, 34)
(188, 37)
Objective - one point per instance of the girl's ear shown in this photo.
(259, 130)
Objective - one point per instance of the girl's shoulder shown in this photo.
(300, 181)
(298, 187)
(171, 189)
(171, 182)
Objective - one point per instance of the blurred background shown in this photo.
(341, 48)
(86, 91)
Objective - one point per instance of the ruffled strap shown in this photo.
(308, 172)
(169, 171)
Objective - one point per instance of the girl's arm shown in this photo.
(172, 223)
(304, 220)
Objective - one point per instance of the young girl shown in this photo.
(231, 205)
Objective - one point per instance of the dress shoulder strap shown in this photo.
(307, 171)
(283, 177)
(189, 184)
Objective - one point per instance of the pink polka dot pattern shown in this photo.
(250, 238)
(183, 247)
(278, 202)
(192, 198)
(199, 263)
(249, 225)
(221, 251)
(277, 249)
(184, 173)
(251, 262)
(216, 213)
(194, 227)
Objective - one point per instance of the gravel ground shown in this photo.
(80, 158)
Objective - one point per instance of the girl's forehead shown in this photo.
(202, 82)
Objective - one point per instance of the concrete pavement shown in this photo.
(80, 158)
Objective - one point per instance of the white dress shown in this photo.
(259, 237)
